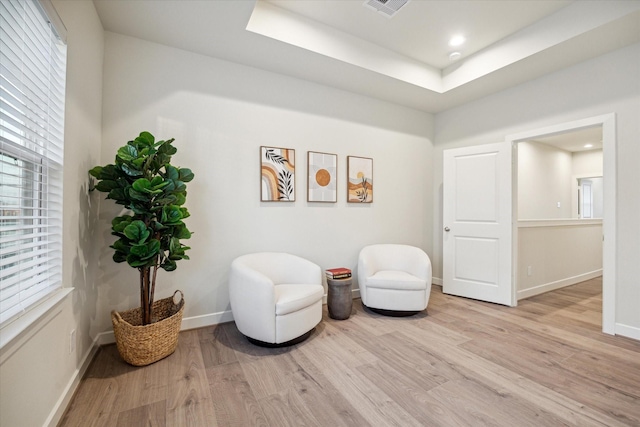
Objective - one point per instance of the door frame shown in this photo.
(609, 217)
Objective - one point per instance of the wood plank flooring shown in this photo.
(465, 363)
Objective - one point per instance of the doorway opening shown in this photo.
(607, 124)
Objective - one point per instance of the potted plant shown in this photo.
(143, 180)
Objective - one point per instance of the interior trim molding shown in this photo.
(552, 286)
(610, 216)
(628, 331)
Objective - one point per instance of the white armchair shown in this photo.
(275, 297)
(394, 279)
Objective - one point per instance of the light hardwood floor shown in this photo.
(465, 363)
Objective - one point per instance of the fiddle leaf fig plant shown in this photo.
(154, 191)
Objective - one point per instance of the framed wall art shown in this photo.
(359, 179)
(321, 177)
(277, 174)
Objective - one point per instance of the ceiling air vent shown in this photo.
(387, 8)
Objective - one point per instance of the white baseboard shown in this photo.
(61, 405)
(540, 289)
(187, 323)
(436, 281)
(627, 331)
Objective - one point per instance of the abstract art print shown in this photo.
(321, 177)
(360, 179)
(277, 176)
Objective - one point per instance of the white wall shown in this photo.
(544, 180)
(554, 254)
(587, 163)
(220, 114)
(603, 85)
(37, 368)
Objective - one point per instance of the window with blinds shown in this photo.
(32, 88)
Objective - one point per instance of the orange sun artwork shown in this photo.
(321, 178)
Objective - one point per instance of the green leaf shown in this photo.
(158, 226)
(142, 185)
(96, 172)
(169, 265)
(127, 153)
(146, 138)
(106, 186)
(134, 261)
(172, 173)
(121, 246)
(171, 215)
(169, 187)
(174, 245)
(117, 194)
(157, 181)
(139, 163)
(109, 172)
(119, 223)
(119, 257)
(180, 199)
(181, 232)
(171, 199)
(186, 175)
(166, 149)
(137, 231)
(130, 171)
(144, 251)
(136, 195)
(185, 213)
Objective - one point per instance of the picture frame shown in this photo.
(322, 183)
(359, 179)
(277, 174)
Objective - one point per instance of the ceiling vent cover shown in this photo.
(387, 8)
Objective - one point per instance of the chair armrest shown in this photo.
(252, 298)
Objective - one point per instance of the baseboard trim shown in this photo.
(628, 331)
(194, 322)
(552, 286)
(61, 405)
(436, 281)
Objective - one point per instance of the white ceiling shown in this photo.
(421, 29)
(575, 140)
(404, 59)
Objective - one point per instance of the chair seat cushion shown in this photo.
(291, 298)
(393, 279)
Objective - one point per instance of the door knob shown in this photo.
(447, 229)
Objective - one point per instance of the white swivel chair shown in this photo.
(394, 279)
(276, 298)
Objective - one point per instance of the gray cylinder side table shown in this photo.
(339, 299)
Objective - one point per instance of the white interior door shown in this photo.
(477, 217)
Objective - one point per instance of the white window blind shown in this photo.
(32, 88)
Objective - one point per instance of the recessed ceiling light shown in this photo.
(457, 40)
(588, 145)
(454, 56)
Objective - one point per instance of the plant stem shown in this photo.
(146, 307)
(153, 281)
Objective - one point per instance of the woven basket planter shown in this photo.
(141, 345)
